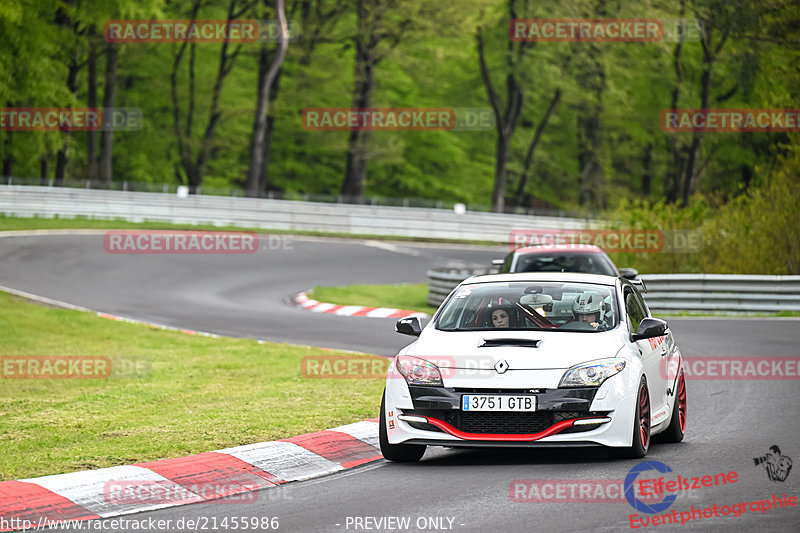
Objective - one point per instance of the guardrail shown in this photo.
(677, 292)
(442, 281)
(288, 215)
(393, 201)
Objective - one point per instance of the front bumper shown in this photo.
(564, 417)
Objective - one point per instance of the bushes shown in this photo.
(755, 233)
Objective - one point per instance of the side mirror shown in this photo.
(408, 326)
(498, 262)
(629, 273)
(649, 328)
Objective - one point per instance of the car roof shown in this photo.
(539, 248)
(568, 277)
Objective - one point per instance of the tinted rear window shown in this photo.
(589, 263)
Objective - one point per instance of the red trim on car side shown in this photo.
(552, 430)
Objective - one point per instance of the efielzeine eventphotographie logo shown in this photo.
(776, 464)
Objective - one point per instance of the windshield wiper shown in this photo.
(523, 343)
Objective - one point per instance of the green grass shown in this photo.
(201, 394)
(36, 223)
(400, 296)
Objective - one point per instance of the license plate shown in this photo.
(491, 402)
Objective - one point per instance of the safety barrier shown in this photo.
(287, 215)
(677, 292)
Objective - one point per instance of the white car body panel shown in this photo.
(466, 365)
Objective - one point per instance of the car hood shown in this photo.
(555, 349)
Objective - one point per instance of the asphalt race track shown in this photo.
(240, 295)
(729, 422)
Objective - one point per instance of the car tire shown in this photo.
(399, 453)
(641, 424)
(677, 423)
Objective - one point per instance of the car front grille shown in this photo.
(512, 423)
(482, 422)
(509, 423)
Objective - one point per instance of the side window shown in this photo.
(507, 264)
(634, 309)
(642, 302)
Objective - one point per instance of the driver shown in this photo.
(500, 312)
(588, 307)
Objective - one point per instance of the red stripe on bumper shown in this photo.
(513, 437)
(338, 447)
(28, 501)
(212, 475)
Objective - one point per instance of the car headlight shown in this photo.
(591, 374)
(418, 371)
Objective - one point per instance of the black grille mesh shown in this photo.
(513, 423)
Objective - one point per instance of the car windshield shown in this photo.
(589, 263)
(530, 305)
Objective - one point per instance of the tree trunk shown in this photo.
(592, 176)
(184, 146)
(591, 81)
(63, 153)
(91, 135)
(43, 171)
(355, 174)
(674, 176)
(506, 120)
(194, 179)
(647, 169)
(226, 62)
(61, 165)
(690, 175)
(532, 148)
(107, 144)
(711, 52)
(500, 170)
(194, 170)
(267, 153)
(258, 139)
(8, 159)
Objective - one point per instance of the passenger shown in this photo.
(588, 307)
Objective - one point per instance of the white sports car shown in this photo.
(535, 359)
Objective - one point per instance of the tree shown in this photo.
(30, 57)
(590, 77)
(523, 180)
(65, 19)
(507, 118)
(91, 135)
(266, 78)
(109, 99)
(381, 26)
(193, 166)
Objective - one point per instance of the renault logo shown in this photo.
(501, 366)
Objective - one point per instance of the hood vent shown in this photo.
(522, 343)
